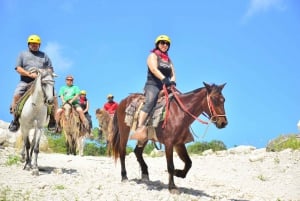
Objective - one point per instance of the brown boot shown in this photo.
(14, 103)
(140, 133)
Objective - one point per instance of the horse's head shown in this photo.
(67, 110)
(102, 116)
(47, 81)
(215, 101)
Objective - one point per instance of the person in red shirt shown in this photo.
(110, 106)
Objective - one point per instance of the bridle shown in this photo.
(213, 113)
(46, 82)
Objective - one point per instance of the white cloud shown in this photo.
(259, 6)
(54, 51)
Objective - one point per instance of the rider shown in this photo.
(160, 72)
(110, 106)
(70, 93)
(84, 103)
(32, 57)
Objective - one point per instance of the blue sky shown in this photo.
(252, 45)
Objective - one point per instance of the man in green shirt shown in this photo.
(70, 93)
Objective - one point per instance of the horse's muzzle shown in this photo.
(221, 122)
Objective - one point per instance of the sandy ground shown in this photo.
(228, 175)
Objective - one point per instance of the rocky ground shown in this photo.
(242, 173)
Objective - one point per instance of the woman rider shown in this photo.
(160, 72)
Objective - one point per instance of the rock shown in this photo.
(242, 149)
(13, 139)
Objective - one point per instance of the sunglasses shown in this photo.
(70, 79)
(164, 42)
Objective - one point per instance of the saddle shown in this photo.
(76, 115)
(21, 102)
(157, 115)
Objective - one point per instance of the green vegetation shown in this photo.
(199, 147)
(12, 160)
(59, 187)
(98, 147)
(284, 142)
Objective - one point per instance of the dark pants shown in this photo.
(151, 94)
(89, 118)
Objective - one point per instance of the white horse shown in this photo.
(34, 115)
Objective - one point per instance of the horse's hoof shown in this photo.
(35, 172)
(124, 179)
(174, 191)
(145, 177)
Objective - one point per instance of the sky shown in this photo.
(251, 45)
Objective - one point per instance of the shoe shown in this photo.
(140, 134)
(14, 126)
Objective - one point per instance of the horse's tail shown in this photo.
(115, 138)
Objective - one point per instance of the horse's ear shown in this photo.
(222, 86)
(205, 84)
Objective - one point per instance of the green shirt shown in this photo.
(68, 92)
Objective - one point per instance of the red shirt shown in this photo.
(111, 107)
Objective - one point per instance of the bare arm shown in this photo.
(173, 77)
(24, 72)
(152, 64)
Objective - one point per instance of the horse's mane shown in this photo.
(214, 88)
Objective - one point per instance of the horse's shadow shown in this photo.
(55, 170)
(158, 185)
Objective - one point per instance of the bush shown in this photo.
(284, 142)
(199, 147)
(91, 149)
(149, 148)
(57, 143)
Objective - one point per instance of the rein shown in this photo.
(181, 105)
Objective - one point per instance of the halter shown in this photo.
(46, 82)
(211, 108)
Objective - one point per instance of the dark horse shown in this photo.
(183, 110)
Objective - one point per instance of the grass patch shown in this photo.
(12, 160)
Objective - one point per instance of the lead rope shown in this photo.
(184, 108)
(167, 106)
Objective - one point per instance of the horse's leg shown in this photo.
(36, 149)
(23, 152)
(27, 158)
(122, 152)
(183, 155)
(139, 156)
(170, 165)
(67, 146)
(74, 146)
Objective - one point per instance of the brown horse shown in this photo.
(71, 123)
(183, 110)
(105, 123)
